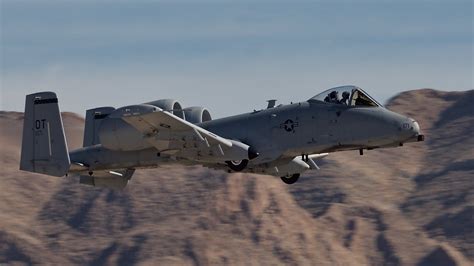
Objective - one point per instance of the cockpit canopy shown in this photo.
(346, 95)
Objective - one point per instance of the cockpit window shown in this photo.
(360, 99)
(346, 95)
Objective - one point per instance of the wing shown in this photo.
(175, 136)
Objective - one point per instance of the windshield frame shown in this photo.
(319, 98)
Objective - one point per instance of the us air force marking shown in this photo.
(289, 125)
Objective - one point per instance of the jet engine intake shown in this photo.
(196, 114)
(169, 105)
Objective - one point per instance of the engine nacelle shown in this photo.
(169, 105)
(196, 114)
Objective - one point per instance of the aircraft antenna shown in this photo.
(271, 104)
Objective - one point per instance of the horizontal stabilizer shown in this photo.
(116, 179)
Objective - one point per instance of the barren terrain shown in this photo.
(412, 205)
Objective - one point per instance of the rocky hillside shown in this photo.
(411, 205)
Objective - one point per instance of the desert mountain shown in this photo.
(412, 205)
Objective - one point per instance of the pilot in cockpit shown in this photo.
(348, 96)
(332, 97)
(345, 98)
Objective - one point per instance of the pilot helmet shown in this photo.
(345, 95)
(333, 94)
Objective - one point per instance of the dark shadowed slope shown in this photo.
(409, 205)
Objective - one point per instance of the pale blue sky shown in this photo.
(229, 57)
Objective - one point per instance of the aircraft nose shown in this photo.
(415, 130)
(415, 127)
(411, 129)
(410, 126)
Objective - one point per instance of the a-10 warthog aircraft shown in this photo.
(283, 140)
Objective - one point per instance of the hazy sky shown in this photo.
(229, 56)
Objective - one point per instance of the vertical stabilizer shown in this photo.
(44, 148)
(94, 118)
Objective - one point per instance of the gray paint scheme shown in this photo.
(288, 138)
(44, 148)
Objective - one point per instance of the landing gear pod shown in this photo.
(239, 165)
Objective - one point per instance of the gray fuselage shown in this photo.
(281, 133)
(314, 127)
